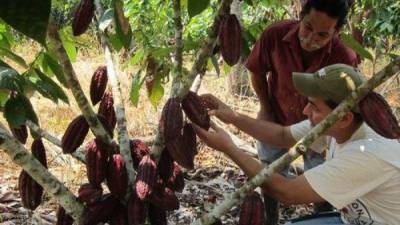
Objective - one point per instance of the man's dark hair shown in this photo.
(334, 8)
(357, 116)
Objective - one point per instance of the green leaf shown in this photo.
(14, 57)
(10, 79)
(115, 42)
(3, 99)
(138, 57)
(350, 42)
(55, 68)
(135, 88)
(106, 19)
(47, 87)
(249, 2)
(68, 42)
(30, 17)
(18, 109)
(156, 93)
(197, 6)
(227, 69)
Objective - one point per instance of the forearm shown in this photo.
(276, 186)
(264, 131)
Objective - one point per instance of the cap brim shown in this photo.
(307, 84)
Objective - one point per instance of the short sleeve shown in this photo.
(347, 177)
(258, 62)
(299, 130)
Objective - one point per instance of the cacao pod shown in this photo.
(178, 152)
(146, 177)
(105, 124)
(83, 16)
(89, 194)
(98, 84)
(252, 210)
(39, 151)
(138, 150)
(377, 113)
(30, 191)
(63, 218)
(20, 133)
(75, 134)
(165, 165)
(196, 110)
(96, 163)
(164, 198)
(176, 182)
(120, 217)
(101, 211)
(137, 210)
(117, 177)
(171, 122)
(189, 139)
(230, 36)
(106, 108)
(157, 216)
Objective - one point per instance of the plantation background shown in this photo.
(153, 32)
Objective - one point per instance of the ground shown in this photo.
(213, 177)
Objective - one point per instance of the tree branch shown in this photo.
(301, 146)
(40, 174)
(76, 89)
(123, 137)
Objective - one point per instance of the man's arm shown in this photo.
(287, 191)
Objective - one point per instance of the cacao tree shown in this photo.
(142, 180)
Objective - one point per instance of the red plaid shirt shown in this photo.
(278, 52)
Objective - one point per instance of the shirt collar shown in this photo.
(291, 37)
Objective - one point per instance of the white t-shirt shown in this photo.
(361, 177)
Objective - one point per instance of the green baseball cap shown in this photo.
(334, 82)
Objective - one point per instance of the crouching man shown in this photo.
(361, 176)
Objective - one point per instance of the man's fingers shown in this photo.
(199, 131)
(212, 112)
(215, 126)
(210, 100)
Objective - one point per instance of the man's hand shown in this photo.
(218, 108)
(217, 139)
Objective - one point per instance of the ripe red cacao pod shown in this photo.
(101, 211)
(138, 150)
(63, 218)
(171, 122)
(176, 182)
(98, 84)
(89, 194)
(230, 36)
(377, 113)
(137, 210)
(196, 110)
(106, 108)
(75, 134)
(20, 133)
(39, 151)
(179, 153)
(30, 191)
(189, 139)
(117, 177)
(96, 163)
(146, 177)
(82, 17)
(164, 198)
(157, 216)
(252, 210)
(120, 217)
(165, 165)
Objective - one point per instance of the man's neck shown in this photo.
(345, 134)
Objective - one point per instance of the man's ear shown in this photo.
(346, 120)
